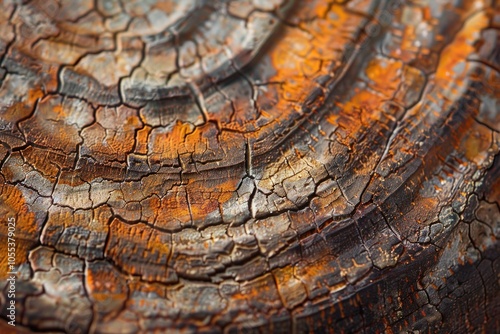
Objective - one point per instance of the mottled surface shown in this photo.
(251, 166)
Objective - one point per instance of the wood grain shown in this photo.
(251, 166)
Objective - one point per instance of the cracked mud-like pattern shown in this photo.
(251, 166)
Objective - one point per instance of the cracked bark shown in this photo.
(245, 166)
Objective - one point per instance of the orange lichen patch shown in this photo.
(305, 54)
(226, 189)
(332, 31)
(59, 113)
(332, 119)
(297, 46)
(311, 68)
(172, 211)
(34, 95)
(13, 205)
(457, 52)
(129, 246)
(22, 248)
(18, 219)
(150, 209)
(194, 148)
(164, 143)
(360, 111)
(385, 75)
(202, 143)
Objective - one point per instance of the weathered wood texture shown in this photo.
(252, 166)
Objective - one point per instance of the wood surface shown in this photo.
(253, 166)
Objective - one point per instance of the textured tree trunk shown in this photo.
(250, 166)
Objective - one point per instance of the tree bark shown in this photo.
(250, 166)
